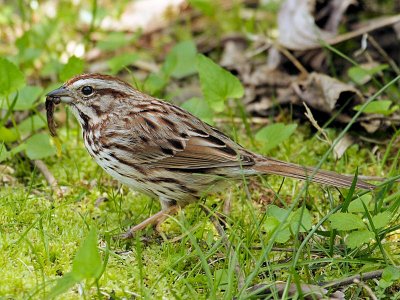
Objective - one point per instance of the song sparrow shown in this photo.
(160, 149)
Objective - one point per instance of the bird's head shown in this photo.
(91, 96)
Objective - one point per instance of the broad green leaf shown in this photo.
(32, 124)
(115, 40)
(200, 109)
(207, 7)
(271, 223)
(390, 275)
(169, 65)
(382, 219)
(11, 78)
(17, 149)
(154, 84)
(358, 75)
(87, 263)
(4, 154)
(28, 55)
(305, 217)
(378, 107)
(73, 67)
(362, 75)
(346, 221)
(63, 284)
(26, 97)
(357, 204)
(283, 235)
(51, 68)
(38, 146)
(274, 134)
(179, 61)
(217, 84)
(119, 62)
(358, 238)
(277, 212)
(7, 135)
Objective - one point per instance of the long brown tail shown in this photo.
(277, 167)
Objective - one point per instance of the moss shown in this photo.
(40, 231)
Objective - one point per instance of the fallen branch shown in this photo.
(353, 279)
(41, 166)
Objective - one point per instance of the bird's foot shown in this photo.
(156, 219)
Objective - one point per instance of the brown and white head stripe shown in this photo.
(92, 96)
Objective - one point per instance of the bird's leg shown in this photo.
(171, 211)
(155, 219)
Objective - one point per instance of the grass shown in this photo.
(279, 228)
(42, 232)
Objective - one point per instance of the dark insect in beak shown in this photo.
(51, 102)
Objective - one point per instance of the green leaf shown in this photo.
(207, 7)
(357, 204)
(382, 219)
(378, 107)
(17, 149)
(115, 40)
(179, 61)
(32, 124)
(63, 285)
(362, 75)
(52, 67)
(87, 262)
(7, 135)
(358, 238)
(271, 223)
(274, 134)
(358, 75)
(296, 216)
(200, 109)
(119, 62)
(27, 97)
(346, 221)
(4, 154)
(277, 212)
(389, 276)
(38, 146)
(154, 84)
(217, 84)
(11, 78)
(73, 67)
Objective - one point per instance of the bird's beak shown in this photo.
(59, 95)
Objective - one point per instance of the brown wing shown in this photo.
(173, 141)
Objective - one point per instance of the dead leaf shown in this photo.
(326, 93)
(341, 147)
(233, 56)
(274, 58)
(371, 126)
(335, 9)
(297, 27)
(264, 75)
(149, 15)
(6, 175)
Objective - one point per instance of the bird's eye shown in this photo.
(87, 90)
